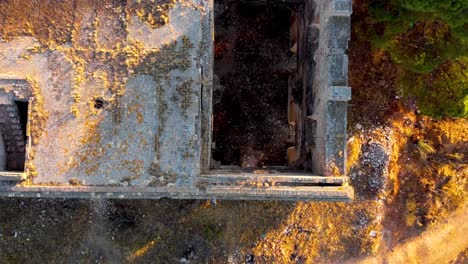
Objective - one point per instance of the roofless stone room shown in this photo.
(196, 99)
(251, 70)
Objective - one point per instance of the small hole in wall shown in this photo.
(99, 103)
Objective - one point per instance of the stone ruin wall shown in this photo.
(320, 79)
(141, 60)
(330, 86)
(150, 66)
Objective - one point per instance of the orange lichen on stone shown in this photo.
(91, 151)
(38, 117)
(38, 19)
(154, 13)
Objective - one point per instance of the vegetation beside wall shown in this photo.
(441, 92)
(428, 39)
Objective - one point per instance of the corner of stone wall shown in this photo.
(330, 89)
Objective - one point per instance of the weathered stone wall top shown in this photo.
(116, 88)
(331, 91)
(120, 95)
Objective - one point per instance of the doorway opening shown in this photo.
(254, 60)
(13, 136)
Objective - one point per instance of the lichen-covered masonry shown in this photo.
(140, 59)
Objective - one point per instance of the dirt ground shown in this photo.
(250, 125)
(424, 248)
(409, 172)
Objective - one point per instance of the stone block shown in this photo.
(3, 154)
(335, 150)
(293, 112)
(341, 7)
(338, 34)
(339, 93)
(312, 37)
(293, 155)
(310, 127)
(337, 70)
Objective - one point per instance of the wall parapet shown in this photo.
(331, 91)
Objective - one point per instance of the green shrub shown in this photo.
(428, 39)
(425, 46)
(400, 15)
(442, 92)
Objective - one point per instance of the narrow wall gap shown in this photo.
(23, 115)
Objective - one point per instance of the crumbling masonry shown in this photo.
(115, 100)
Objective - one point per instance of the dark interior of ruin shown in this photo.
(14, 119)
(253, 60)
(23, 115)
